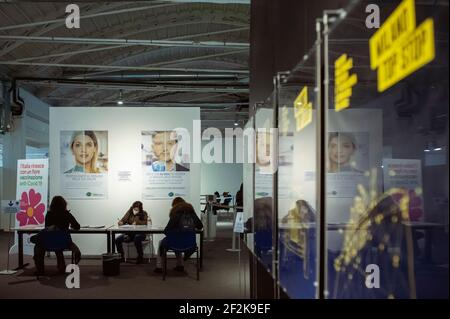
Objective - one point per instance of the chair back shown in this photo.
(227, 201)
(56, 240)
(263, 240)
(181, 240)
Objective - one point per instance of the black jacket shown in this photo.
(178, 214)
(62, 220)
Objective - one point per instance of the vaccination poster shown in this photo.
(84, 164)
(32, 191)
(165, 165)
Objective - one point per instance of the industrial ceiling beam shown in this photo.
(52, 26)
(85, 16)
(71, 53)
(134, 86)
(137, 42)
(164, 63)
(213, 106)
(121, 67)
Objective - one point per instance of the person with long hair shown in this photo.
(85, 150)
(180, 213)
(57, 218)
(135, 215)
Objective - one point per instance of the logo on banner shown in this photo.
(32, 209)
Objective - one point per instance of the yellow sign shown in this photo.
(408, 56)
(399, 24)
(343, 82)
(302, 109)
(398, 48)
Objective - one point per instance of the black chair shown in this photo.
(180, 242)
(56, 241)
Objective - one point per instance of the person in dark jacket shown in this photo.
(180, 212)
(135, 215)
(240, 199)
(57, 218)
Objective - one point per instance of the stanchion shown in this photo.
(210, 223)
(233, 239)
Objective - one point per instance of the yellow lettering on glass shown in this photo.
(343, 82)
(409, 55)
(302, 109)
(400, 23)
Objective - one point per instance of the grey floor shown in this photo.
(224, 275)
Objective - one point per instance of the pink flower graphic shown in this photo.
(31, 209)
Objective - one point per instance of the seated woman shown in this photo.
(135, 215)
(57, 218)
(179, 214)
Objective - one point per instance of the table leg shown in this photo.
(108, 242)
(20, 252)
(201, 250)
(113, 242)
(428, 245)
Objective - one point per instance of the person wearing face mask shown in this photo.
(134, 216)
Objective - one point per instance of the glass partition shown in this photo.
(297, 167)
(264, 178)
(387, 154)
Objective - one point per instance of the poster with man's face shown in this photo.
(165, 165)
(161, 152)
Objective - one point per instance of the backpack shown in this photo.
(186, 222)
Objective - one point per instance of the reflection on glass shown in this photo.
(389, 196)
(342, 150)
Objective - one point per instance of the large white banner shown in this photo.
(32, 190)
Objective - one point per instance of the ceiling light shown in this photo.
(120, 100)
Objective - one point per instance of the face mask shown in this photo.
(135, 211)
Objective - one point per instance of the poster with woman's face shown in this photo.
(84, 152)
(265, 151)
(84, 164)
(348, 152)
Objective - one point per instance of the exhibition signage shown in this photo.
(405, 174)
(343, 82)
(10, 206)
(239, 223)
(398, 48)
(31, 190)
(302, 109)
(84, 164)
(165, 165)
